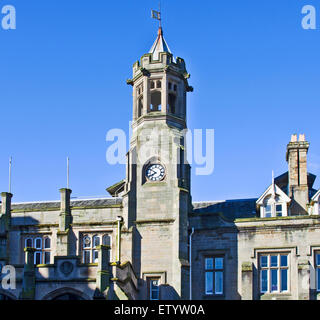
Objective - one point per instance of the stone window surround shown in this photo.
(291, 251)
(278, 268)
(34, 236)
(313, 251)
(92, 234)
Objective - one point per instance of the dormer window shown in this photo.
(273, 203)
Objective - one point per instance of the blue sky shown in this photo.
(255, 72)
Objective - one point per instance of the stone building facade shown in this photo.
(149, 240)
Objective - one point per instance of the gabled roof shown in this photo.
(316, 196)
(117, 188)
(273, 188)
(283, 180)
(160, 45)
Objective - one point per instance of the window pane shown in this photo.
(274, 280)
(219, 282)
(95, 256)
(47, 258)
(218, 263)
(264, 261)
(29, 243)
(209, 282)
(279, 210)
(38, 243)
(47, 243)
(274, 261)
(264, 280)
(37, 257)
(106, 241)
(209, 263)
(284, 280)
(86, 242)
(96, 241)
(318, 279)
(154, 290)
(318, 259)
(86, 256)
(268, 211)
(284, 261)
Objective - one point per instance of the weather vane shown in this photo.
(157, 14)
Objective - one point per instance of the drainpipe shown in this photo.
(119, 220)
(190, 262)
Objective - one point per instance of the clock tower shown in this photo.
(157, 196)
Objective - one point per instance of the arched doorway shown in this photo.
(68, 296)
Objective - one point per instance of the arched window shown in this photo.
(172, 103)
(29, 243)
(155, 101)
(158, 84)
(140, 106)
(106, 240)
(152, 85)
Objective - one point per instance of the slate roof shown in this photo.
(85, 203)
(230, 209)
(160, 45)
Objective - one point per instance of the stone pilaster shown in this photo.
(303, 280)
(247, 281)
(29, 277)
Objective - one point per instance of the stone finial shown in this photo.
(294, 138)
(65, 210)
(5, 214)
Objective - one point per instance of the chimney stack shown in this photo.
(298, 189)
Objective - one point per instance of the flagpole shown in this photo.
(67, 172)
(160, 13)
(10, 165)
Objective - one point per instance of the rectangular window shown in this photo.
(214, 275)
(37, 257)
(318, 270)
(154, 288)
(42, 244)
(274, 272)
(89, 246)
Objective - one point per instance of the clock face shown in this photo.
(155, 172)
